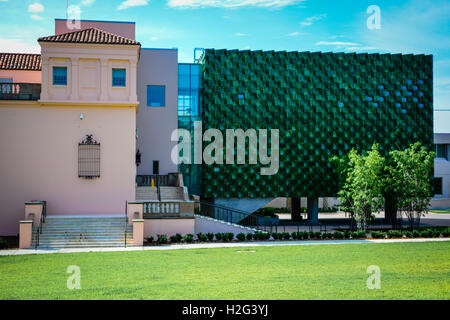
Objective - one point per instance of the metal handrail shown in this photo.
(41, 223)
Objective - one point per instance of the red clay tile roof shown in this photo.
(20, 61)
(91, 35)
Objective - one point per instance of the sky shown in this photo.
(405, 26)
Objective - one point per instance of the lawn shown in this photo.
(408, 271)
(440, 211)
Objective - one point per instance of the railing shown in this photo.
(158, 180)
(161, 209)
(41, 222)
(20, 91)
(231, 215)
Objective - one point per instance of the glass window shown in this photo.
(441, 151)
(156, 96)
(60, 76)
(119, 78)
(437, 185)
(6, 80)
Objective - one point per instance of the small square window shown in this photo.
(119, 78)
(60, 76)
(441, 151)
(437, 185)
(156, 96)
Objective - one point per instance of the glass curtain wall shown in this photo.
(189, 86)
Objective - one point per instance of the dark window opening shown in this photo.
(441, 151)
(437, 185)
(155, 167)
(89, 158)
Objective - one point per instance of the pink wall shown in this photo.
(156, 124)
(24, 76)
(124, 29)
(39, 160)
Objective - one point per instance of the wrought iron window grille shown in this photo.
(89, 158)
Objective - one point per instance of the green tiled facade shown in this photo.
(324, 104)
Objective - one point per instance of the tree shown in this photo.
(409, 178)
(361, 184)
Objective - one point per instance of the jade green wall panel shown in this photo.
(324, 104)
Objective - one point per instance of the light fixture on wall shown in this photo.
(81, 116)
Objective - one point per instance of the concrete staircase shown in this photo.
(84, 231)
(167, 193)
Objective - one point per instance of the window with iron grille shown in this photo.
(118, 77)
(89, 158)
(60, 76)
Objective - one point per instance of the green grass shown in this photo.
(440, 211)
(408, 271)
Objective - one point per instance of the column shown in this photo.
(45, 73)
(104, 79)
(138, 232)
(74, 82)
(25, 234)
(313, 209)
(133, 75)
(295, 209)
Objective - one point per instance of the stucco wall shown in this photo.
(39, 160)
(156, 124)
(169, 227)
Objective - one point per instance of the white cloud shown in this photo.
(16, 45)
(35, 7)
(132, 3)
(231, 3)
(36, 17)
(87, 2)
(310, 20)
(336, 43)
(293, 34)
(362, 48)
(239, 34)
(154, 38)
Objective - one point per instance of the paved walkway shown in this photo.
(217, 245)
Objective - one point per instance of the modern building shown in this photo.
(89, 127)
(441, 199)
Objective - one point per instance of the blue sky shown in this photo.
(407, 26)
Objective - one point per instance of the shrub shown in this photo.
(229, 236)
(408, 234)
(378, 234)
(347, 234)
(415, 234)
(446, 233)
(202, 237)
(210, 236)
(394, 234)
(162, 239)
(188, 238)
(249, 236)
(338, 235)
(296, 235)
(149, 239)
(176, 238)
(285, 235)
(240, 236)
(317, 235)
(276, 235)
(219, 236)
(358, 234)
(435, 233)
(311, 235)
(427, 233)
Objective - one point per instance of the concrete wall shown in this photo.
(24, 76)
(205, 225)
(124, 29)
(169, 227)
(156, 124)
(39, 160)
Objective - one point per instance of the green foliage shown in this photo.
(210, 236)
(149, 239)
(378, 234)
(2, 243)
(249, 236)
(394, 234)
(188, 238)
(162, 239)
(338, 235)
(202, 237)
(176, 238)
(275, 235)
(358, 234)
(409, 177)
(240, 236)
(219, 236)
